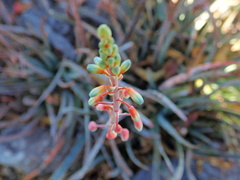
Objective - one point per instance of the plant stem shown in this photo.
(124, 114)
(116, 103)
(104, 103)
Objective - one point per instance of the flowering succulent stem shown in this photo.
(109, 63)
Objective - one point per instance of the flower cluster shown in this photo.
(109, 63)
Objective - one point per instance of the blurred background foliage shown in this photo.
(185, 57)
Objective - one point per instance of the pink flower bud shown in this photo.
(92, 126)
(125, 134)
(118, 128)
(111, 135)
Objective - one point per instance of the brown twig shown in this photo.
(78, 29)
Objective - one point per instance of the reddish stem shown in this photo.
(124, 103)
(101, 126)
(122, 88)
(105, 103)
(124, 114)
(116, 103)
(106, 73)
(106, 93)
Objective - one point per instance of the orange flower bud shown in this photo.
(134, 114)
(98, 90)
(135, 96)
(94, 100)
(103, 107)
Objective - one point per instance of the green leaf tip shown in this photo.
(97, 60)
(116, 70)
(104, 32)
(111, 61)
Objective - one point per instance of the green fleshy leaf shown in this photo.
(104, 31)
(111, 41)
(111, 61)
(109, 51)
(100, 45)
(102, 55)
(116, 70)
(97, 60)
(117, 60)
(102, 64)
(93, 68)
(115, 50)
